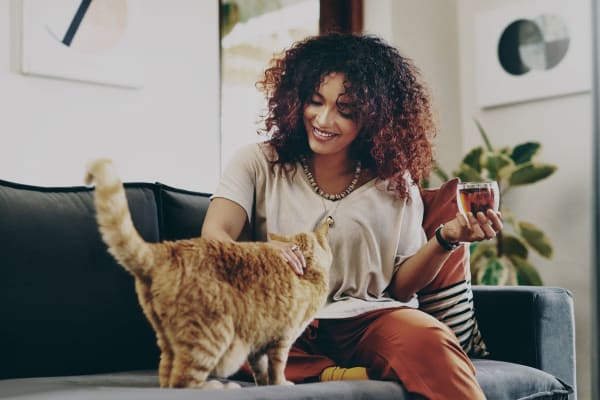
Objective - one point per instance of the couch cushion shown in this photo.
(529, 325)
(499, 380)
(449, 296)
(508, 381)
(66, 307)
(181, 212)
(144, 385)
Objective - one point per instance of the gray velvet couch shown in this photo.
(71, 327)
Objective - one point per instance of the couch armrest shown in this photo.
(530, 325)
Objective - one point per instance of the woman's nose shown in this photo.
(324, 117)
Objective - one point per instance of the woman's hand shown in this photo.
(473, 228)
(291, 252)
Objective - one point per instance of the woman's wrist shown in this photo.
(446, 244)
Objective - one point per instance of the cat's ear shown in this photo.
(279, 238)
(322, 231)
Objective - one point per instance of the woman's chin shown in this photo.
(319, 146)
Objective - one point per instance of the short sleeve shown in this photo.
(238, 181)
(412, 235)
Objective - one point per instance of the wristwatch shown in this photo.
(446, 245)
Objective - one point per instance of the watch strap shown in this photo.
(446, 245)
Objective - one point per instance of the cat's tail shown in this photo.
(114, 219)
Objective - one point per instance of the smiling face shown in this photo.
(329, 119)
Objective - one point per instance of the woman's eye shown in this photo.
(346, 114)
(315, 102)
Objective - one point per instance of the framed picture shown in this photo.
(536, 49)
(93, 41)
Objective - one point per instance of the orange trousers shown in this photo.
(399, 344)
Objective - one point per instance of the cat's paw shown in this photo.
(261, 380)
(232, 385)
(213, 384)
(286, 383)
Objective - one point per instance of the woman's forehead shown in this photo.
(335, 83)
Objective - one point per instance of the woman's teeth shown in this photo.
(323, 134)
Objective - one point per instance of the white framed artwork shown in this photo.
(532, 50)
(84, 40)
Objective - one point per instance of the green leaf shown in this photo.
(513, 246)
(530, 173)
(505, 150)
(511, 272)
(230, 15)
(505, 172)
(494, 162)
(536, 239)
(494, 273)
(524, 152)
(472, 248)
(482, 250)
(467, 174)
(486, 140)
(526, 273)
(473, 158)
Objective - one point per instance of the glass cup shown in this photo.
(477, 196)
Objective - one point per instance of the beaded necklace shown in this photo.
(324, 194)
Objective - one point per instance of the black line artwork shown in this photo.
(76, 22)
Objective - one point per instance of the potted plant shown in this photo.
(505, 259)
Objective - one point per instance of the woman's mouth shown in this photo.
(324, 135)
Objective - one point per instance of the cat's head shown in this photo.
(313, 245)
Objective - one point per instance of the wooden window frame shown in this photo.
(344, 16)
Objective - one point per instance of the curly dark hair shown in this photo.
(391, 102)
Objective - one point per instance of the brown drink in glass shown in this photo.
(477, 196)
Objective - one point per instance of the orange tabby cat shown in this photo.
(214, 304)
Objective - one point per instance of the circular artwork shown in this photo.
(533, 44)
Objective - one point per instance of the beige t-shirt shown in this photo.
(373, 233)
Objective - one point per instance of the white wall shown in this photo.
(426, 32)
(167, 131)
(440, 37)
(560, 205)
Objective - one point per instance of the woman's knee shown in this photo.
(411, 334)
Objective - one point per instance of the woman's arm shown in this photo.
(420, 269)
(224, 220)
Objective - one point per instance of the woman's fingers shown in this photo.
(462, 220)
(495, 219)
(477, 232)
(297, 258)
(293, 255)
(472, 228)
(299, 255)
(486, 225)
(294, 262)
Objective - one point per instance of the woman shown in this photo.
(351, 129)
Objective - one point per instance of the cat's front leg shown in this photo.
(277, 353)
(165, 365)
(259, 365)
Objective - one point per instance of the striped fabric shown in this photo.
(453, 305)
